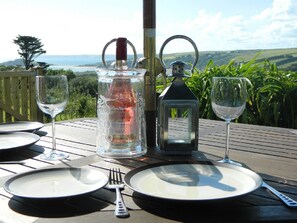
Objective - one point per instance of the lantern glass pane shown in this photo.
(179, 126)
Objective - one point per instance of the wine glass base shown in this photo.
(53, 156)
(230, 162)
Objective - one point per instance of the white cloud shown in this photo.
(211, 31)
(278, 24)
(69, 32)
(66, 32)
(280, 10)
(274, 27)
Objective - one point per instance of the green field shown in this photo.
(285, 59)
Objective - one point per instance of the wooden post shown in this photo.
(149, 51)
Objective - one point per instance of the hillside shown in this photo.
(285, 59)
(16, 62)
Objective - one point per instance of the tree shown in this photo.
(30, 49)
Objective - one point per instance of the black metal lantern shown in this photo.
(178, 111)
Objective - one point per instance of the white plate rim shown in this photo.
(30, 173)
(34, 138)
(256, 177)
(28, 126)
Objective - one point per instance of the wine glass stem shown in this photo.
(227, 140)
(53, 133)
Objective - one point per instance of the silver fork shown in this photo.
(116, 182)
(12, 162)
(288, 201)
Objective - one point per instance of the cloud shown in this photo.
(274, 27)
(64, 31)
(212, 31)
(278, 24)
(280, 10)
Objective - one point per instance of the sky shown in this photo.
(83, 27)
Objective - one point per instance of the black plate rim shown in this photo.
(20, 175)
(38, 124)
(244, 170)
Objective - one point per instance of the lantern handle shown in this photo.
(180, 37)
(114, 40)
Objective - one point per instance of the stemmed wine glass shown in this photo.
(228, 99)
(52, 97)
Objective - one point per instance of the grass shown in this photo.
(286, 59)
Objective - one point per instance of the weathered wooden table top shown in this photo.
(271, 152)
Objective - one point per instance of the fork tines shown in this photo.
(115, 176)
(116, 182)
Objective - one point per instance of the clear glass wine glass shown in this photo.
(228, 100)
(52, 97)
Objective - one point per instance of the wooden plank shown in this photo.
(8, 117)
(17, 96)
(249, 146)
(11, 112)
(15, 104)
(1, 100)
(274, 144)
(260, 163)
(16, 73)
(9, 215)
(24, 96)
(35, 113)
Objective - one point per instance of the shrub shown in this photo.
(84, 85)
(271, 98)
(79, 106)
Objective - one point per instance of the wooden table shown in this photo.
(271, 152)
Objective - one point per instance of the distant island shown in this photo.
(285, 59)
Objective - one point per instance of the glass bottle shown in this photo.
(120, 108)
(122, 101)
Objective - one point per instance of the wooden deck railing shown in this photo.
(17, 97)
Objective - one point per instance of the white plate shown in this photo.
(16, 140)
(21, 126)
(193, 181)
(56, 182)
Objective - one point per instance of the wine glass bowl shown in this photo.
(228, 99)
(52, 97)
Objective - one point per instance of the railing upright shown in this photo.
(17, 97)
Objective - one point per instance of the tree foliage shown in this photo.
(69, 73)
(29, 49)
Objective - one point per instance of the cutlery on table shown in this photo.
(12, 162)
(288, 201)
(116, 183)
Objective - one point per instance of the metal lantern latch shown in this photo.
(178, 110)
